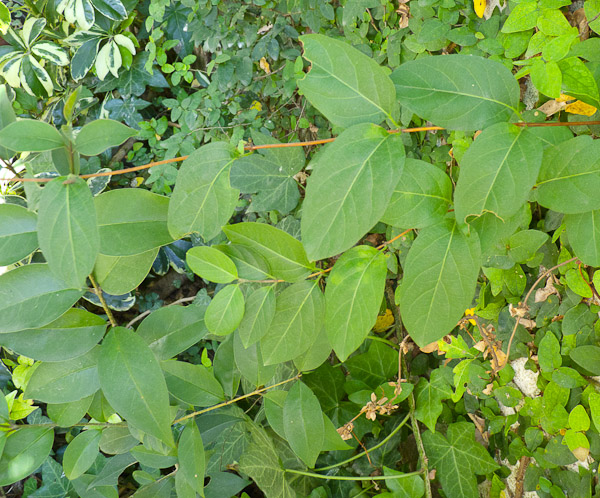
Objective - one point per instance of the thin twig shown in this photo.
(98, 292)
(518, 318)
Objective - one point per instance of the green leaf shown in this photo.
(298, 319)
(225, 311)
(440, 274)
(31, 296)
(7, 114)
(211, 264)
(191, 457)
(153, 458)
(549, 352)
(353, 297)
(69, 336)
(65, 381)
(546, 77)
(570, 176)
(260, 310)
(119, 275)
(522, 17)
(97, 136)
(171, 330)
(344, 84)
(579, 419)
(250, 363)
(68, 414)
(349, 189)
(133, 383)
(594, 401)
(67, 229)
(303, 423)
(84, 58)
(421, 197)
(262, 463)
(117, 440)
(113, 9)
(18, 236)
(25, 450)
(285, 254)
(458, 458)
(111, 471)
(250, 264)
(192, 384)
(497, 172)
(81, 453)
(4, 19)
(458, 92)
(587, 357)
(203, 199)
(583, 230)
(29, 135)
(578, 81)
(131, 221)
(408, 487)
(523, 245)
(429, 398)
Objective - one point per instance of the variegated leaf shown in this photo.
(52, 52)
(32, 28)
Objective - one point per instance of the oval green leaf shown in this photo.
(24, 452)
(133, 383)
(260, 310)
(458, 92)
(349, 189)
(192, 384)
(192, 463)
(29, 135)
(583, 230)
(97, 136)
(211, 264)
(225, 311)
(67, 229)
(353, 297)
(440, 276)
(31, 297)
(81, 453)
(18, 233)
(587, 357)
(121, 274)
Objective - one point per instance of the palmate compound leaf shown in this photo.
(458, 92)
(497, 172)
(353, 298)
(347, 86)
(458, 458)
(31, 296)
(203, 199)
(441, 272)
(569, 178)
(347, 194)
(68, 230)
(134, 385)
(18, 236)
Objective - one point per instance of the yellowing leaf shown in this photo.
(581, 108)
(256, 105)
(479, 6)
(384, 321)
(264, 65)
(471, 312)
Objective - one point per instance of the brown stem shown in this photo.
(98, 292)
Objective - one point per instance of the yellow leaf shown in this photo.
(471, 312)
(264, 65)
(564, 98)
(384, 321)
(581, 108)
(256, 105)
(479, 6)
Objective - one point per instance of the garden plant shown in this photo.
(300, 248)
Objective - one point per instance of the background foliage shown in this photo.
(392, 314)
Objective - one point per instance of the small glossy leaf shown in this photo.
(65, 381)
(225, 311)
(97, 136)
(31, 296)
(482, 92)
(25, 450)
(569, 179)
(203, 199)
(67, 229)
(69, 336)
(133, 383)
(18, 237)
(285, 254)
(347, 86)
(497, 172)
(118, 275)
(29, 135)
(303, 423)
(352, 182)
(353, 297)
(260, 310)
(211, 264)
(191, 457)
(441, 272)
(81, 453)
(192, 384)
(298, 320)
(131, 221)
(421, 196)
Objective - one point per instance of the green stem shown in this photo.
(352, 478)
(378, 445)
(385, 341)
